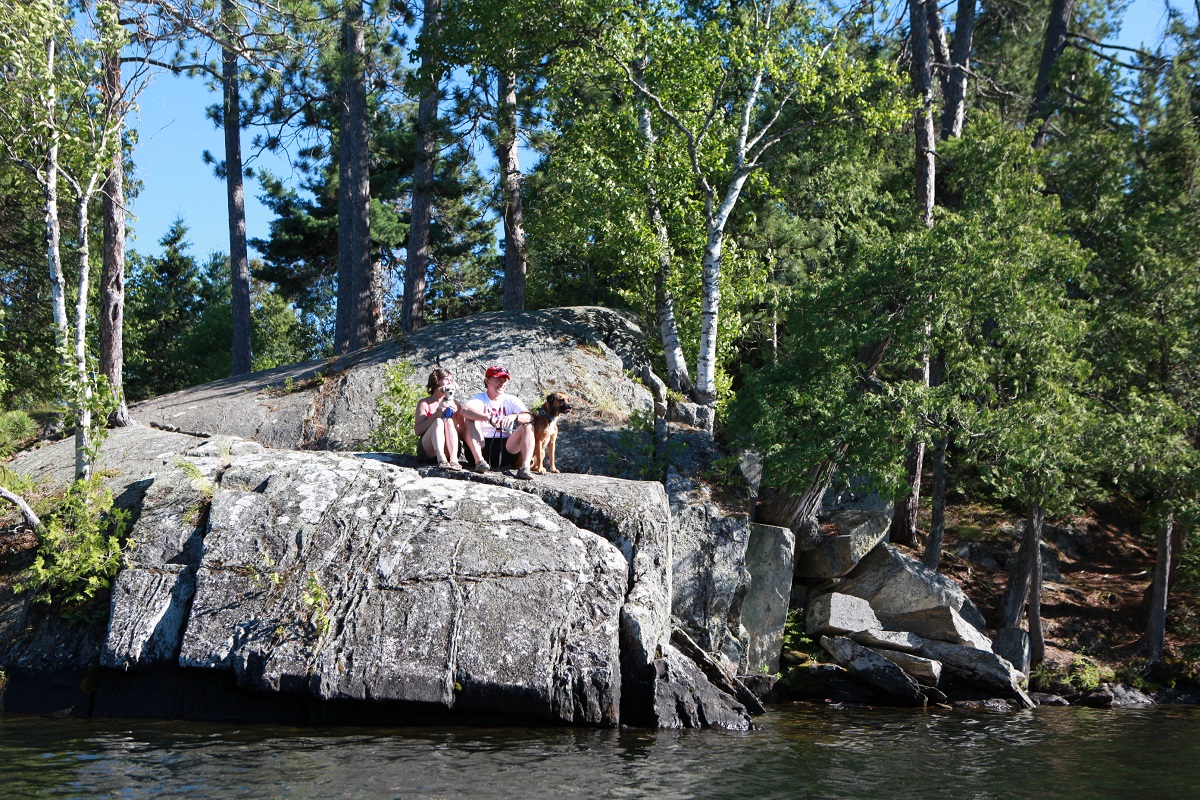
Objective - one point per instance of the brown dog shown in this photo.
(545, 431)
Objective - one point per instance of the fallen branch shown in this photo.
(31, 519)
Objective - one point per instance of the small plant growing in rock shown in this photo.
(79, 550)
(396, 406)
(316, 600)
(200, 481)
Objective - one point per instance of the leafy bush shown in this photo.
(79, 550)
(397, 407)
(1083, 675)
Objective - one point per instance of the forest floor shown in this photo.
(1092, 605)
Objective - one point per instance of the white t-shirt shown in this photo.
(505, 404)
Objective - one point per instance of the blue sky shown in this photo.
(174, 131)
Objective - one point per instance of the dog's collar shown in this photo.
(542, 412)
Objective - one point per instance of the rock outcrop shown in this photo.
(343, 577)
(891, 614)
(894, 583)
(589, 353)
(358, 577)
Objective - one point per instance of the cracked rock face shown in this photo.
(347, 578)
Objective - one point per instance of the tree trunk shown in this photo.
(356, 318)
(799, 511)
(507, 157)
(1017, 590)
(83, 388)
(937, 42)
(31, 519)
(954, 87)
(112, 271)
(1156, 627)
(904, 518)
(937, 524)
(58, 293)
(705, 391)
(412, 312)
(1055, 42)
(1035, 516)
(677, 377)
(922, 85)
(903, 529)
(239, 260)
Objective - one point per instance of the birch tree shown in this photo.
(741, 84)
(56, 125)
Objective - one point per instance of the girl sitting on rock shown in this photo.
(436, 423)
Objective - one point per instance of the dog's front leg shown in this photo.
(551, 448)
(539, 452)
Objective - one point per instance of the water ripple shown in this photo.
(806, 752)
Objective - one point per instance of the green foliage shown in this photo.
(1083, 675)
(397, 408)
(316, 600)
(16, 429)
(79, 550)
(636, 454)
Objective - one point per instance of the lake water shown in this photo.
(798, 753)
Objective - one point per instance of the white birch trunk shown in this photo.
(58, 294)
(678, 377)
(710, 281)
(83, 389)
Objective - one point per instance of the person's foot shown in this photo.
(481, 467)
(451, 465)
(524, 474)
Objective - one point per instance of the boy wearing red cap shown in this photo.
(498, 426)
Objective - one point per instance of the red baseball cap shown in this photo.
(497, 372)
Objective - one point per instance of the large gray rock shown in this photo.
(940, 622)
(894, 583)
(838, 614)
(351, 579)
(977, 667)
(1115, 695)
(849, 535)
(874, 670)
(902, 641)
(854, 494)
(765, 607)
(632, 515)
(924, 671)
(710, 531)
(330, 405)
(684, 698)
(342, 576)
